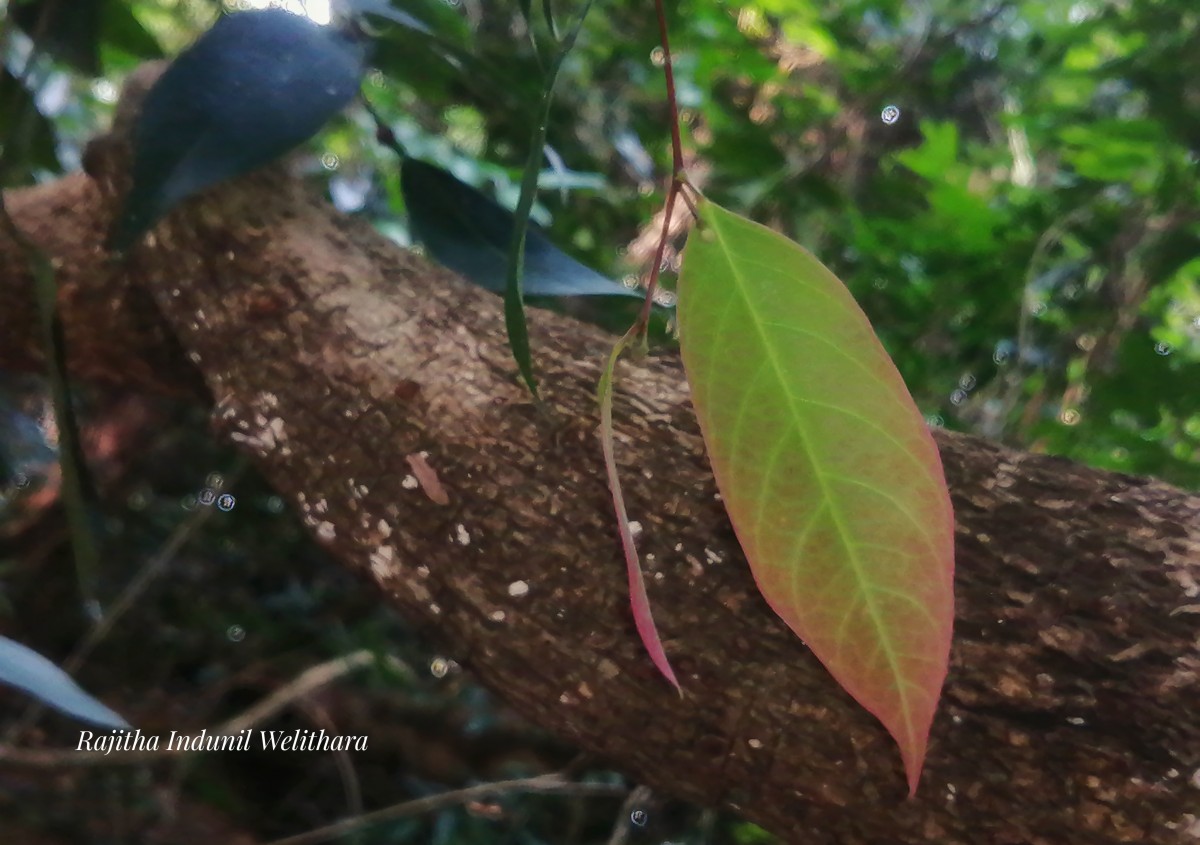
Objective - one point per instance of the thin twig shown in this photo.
(351, 783)
(154, 567)
(302, 685)
(635, 799)
(1013, 379)
(677, 176)
(672, 102)
(544, 784)
(643, 319)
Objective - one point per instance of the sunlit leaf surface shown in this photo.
(831, 478)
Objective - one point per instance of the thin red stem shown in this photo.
(676, 185)
(651, 286)
(668, 68)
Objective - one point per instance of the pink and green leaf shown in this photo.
(831, 478)
(639, 601)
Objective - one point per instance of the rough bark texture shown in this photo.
(346, 366)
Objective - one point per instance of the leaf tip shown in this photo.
(914, 762)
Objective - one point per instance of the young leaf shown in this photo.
(25, 669)
(639, 601)
(830, 476)
(514, 290)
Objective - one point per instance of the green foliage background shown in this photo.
(1025, 236)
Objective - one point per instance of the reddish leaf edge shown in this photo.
(912, 763)
(639, 601)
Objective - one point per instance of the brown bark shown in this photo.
(334, 359)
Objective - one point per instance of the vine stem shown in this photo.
(678, 178)
(669, 70)
(638, 598)
(78, 490)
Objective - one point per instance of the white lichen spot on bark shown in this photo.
(326, 531)
(461, 534)
(497, 616)
(383, 563)
(409, 482)
(517, 589)
(264, 438)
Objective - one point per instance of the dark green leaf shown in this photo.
(27, 135)
(470, 233)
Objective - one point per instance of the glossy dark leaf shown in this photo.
(250, 89)
(470, 233)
